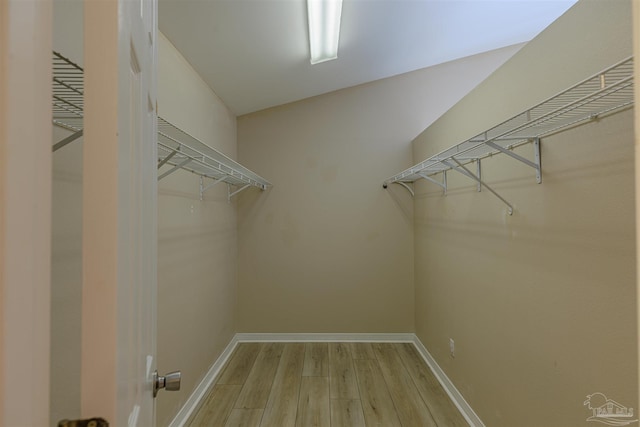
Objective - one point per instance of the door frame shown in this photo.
(25, 210)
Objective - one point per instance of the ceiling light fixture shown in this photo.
(324, 29)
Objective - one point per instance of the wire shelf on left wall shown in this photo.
(177, 149)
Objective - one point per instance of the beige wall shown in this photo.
(66, 279)
(541, 305)
(327, 249)
(197, 240)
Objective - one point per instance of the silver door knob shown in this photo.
(169, 382)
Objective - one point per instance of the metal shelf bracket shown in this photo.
(405, 185)
(58, 145)
(535, 164)
(203, 189)
(444, 181)
(175, 168)
(442, 184)
(231, 194)
(167, 158)
(463, 170)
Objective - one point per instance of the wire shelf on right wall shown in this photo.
(605, 92)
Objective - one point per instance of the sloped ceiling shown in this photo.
(255, 53)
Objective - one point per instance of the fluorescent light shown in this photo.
(324, 29)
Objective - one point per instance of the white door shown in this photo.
(119, 212)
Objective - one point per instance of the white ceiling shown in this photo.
(255, 53)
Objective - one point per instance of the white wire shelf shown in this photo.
(603, 93)
(176, 148)
(179, 149)
(68, 93)
(67, 101)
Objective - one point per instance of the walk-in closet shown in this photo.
(450, 245)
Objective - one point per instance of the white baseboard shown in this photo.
(465, 409)
(201, 390)
(260, 337)
(192, 403)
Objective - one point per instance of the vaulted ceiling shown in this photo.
(255, 53)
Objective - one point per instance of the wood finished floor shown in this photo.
(327, 385)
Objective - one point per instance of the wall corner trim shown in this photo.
(456, 397)
(193, 402)
(198, 394)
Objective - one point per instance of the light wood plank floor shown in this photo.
(327, 385)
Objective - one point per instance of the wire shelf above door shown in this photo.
(603, 93)
(176, 148)
(68, 93)
(67, 102)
